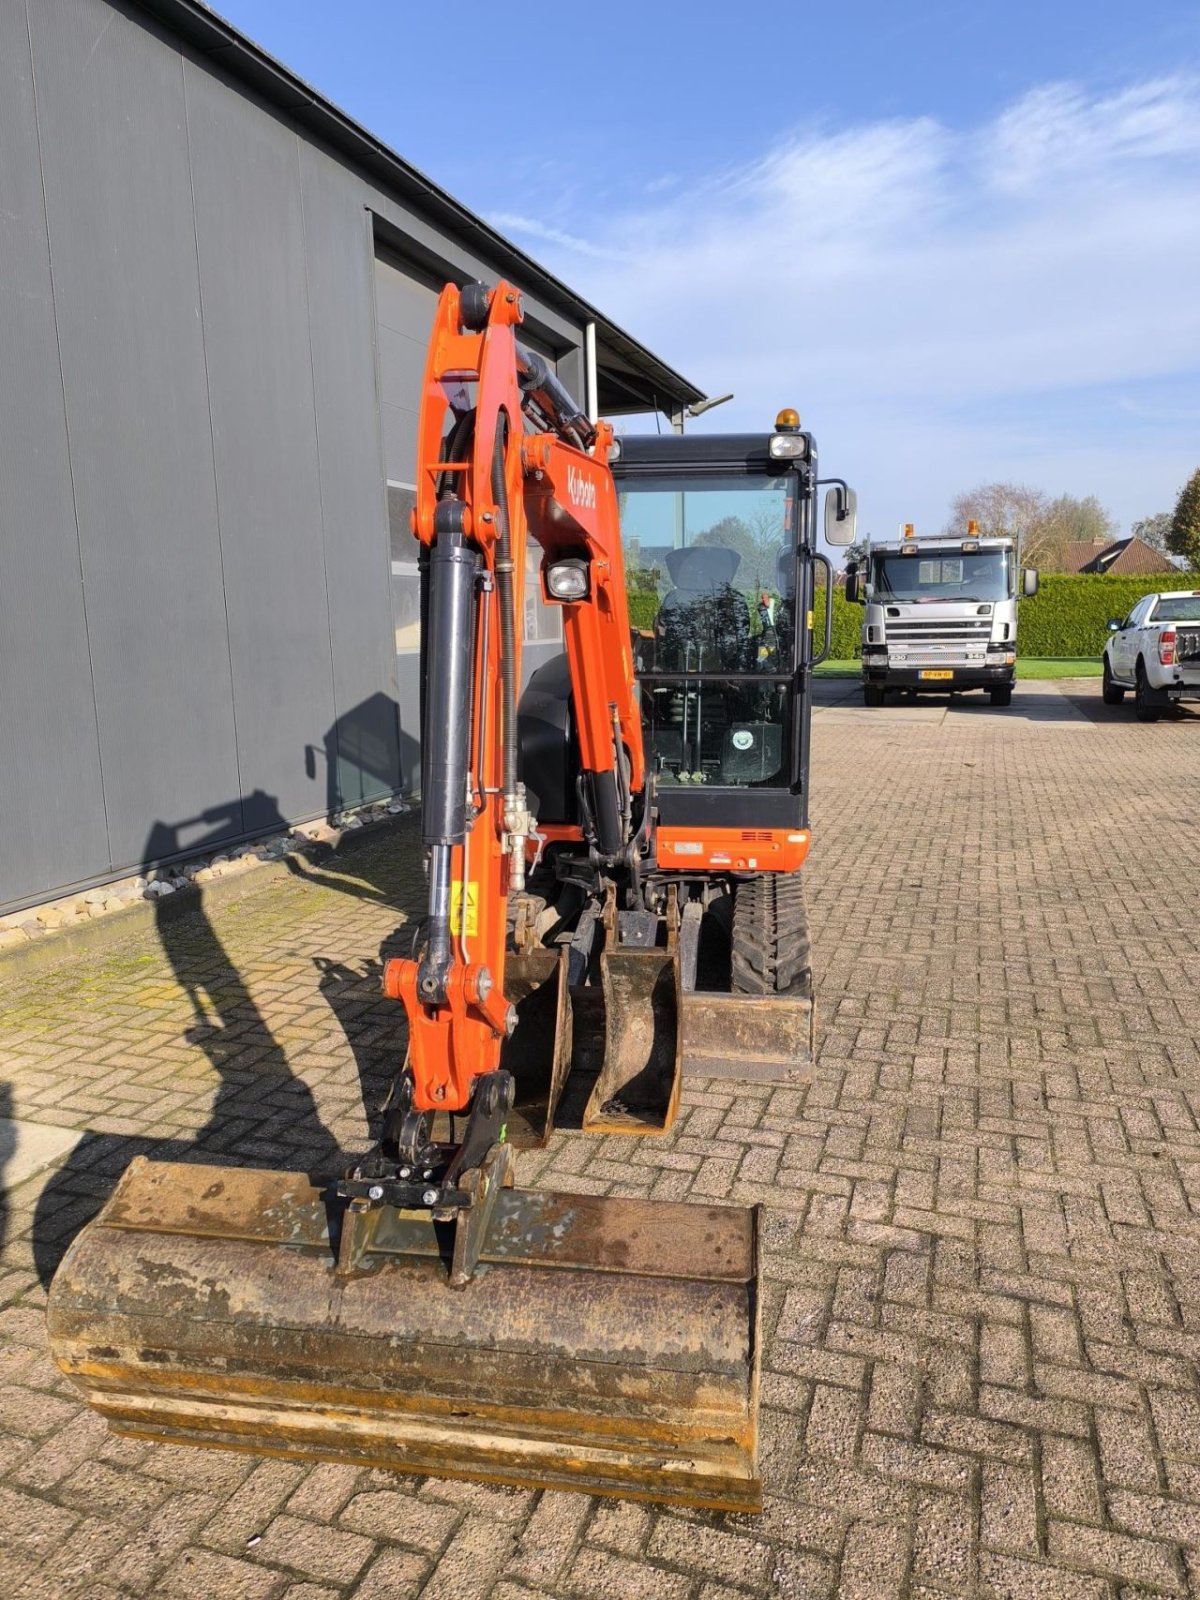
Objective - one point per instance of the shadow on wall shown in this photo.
(262, 1114)
(367, 756)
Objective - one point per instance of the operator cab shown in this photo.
(711, 531)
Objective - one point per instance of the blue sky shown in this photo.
(963, 237)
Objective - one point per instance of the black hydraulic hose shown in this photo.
(504, 593)
(540, 385)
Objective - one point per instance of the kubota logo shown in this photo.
(581, 490)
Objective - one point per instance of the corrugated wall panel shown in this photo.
(246, 178)
(404, 307)
(51, 806)
(362, 756)
(115, 162)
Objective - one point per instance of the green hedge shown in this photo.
(1069, 614)
(1067, 617)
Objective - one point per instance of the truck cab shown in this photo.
(940, 614)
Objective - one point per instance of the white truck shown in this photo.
(940, 614)
(1156, 653)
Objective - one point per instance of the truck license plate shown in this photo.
(938, 672)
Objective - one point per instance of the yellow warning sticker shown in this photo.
(456, 916)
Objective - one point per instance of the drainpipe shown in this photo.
(591, 384)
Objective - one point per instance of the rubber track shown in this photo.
(771, 949)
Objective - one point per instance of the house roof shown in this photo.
(1078, 555)
(631, 377)
(1127, 556)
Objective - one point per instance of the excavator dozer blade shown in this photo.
(606, 1345)
(637, 1089)
(749, 1038)
(538, 1053)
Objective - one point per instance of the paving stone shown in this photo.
(386, 1514)
(246, 1514)
(393, 1575)
(207, 1572)
(601, 1574)
(980, 1236)
(1136, 1560)
(729, 1556)
(332, 1554)
(549, 1537)
(324, 1491)
(873, 1563)
(620, 1525)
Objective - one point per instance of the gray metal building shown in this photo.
(215, 291)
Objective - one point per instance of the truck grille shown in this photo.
(939, 638)
(1187, 644)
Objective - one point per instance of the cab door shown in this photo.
(1124, 649)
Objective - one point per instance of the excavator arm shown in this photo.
(504, 455)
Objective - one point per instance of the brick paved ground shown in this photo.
(983, 1264)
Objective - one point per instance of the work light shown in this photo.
(568, 580)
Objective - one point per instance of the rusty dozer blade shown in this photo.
(538, 1053)
(751, 1038)
(606, 1345)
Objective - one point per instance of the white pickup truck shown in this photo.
(1156, 653)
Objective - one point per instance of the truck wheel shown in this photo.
(1143, 706)
(872, 694)
(770, 942)
(1112, 692)
(1001, 695)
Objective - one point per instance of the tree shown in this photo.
(1003, 511)
(1071, 521)
(1154, 531)
(1043, 527)
(1184, 537)
(758, 548)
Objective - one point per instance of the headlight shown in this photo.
(614, 450)
(788, 446)
(568, 580)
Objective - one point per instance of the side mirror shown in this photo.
(841, 514)
(1028, 582)
(853, 596)
(1113, 625)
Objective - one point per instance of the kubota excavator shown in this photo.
(613, 890)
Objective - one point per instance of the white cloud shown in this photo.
(904, 281)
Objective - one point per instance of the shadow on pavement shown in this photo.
(8, 1145)
(262, 1113)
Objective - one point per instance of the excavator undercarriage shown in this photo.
(613, 899)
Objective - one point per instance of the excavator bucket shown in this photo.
(750, 1038)
(607, 1345)
(637, 1088)
(538, 1053)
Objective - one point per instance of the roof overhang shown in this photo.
(630, 377)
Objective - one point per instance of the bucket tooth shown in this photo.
(637, 1089)
(538, 1053)
(606, 1345)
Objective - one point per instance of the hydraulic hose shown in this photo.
(504, 593)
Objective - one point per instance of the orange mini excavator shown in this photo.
(613, 892)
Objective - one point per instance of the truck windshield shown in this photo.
(943, 575)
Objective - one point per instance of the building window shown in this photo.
(406, 582)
